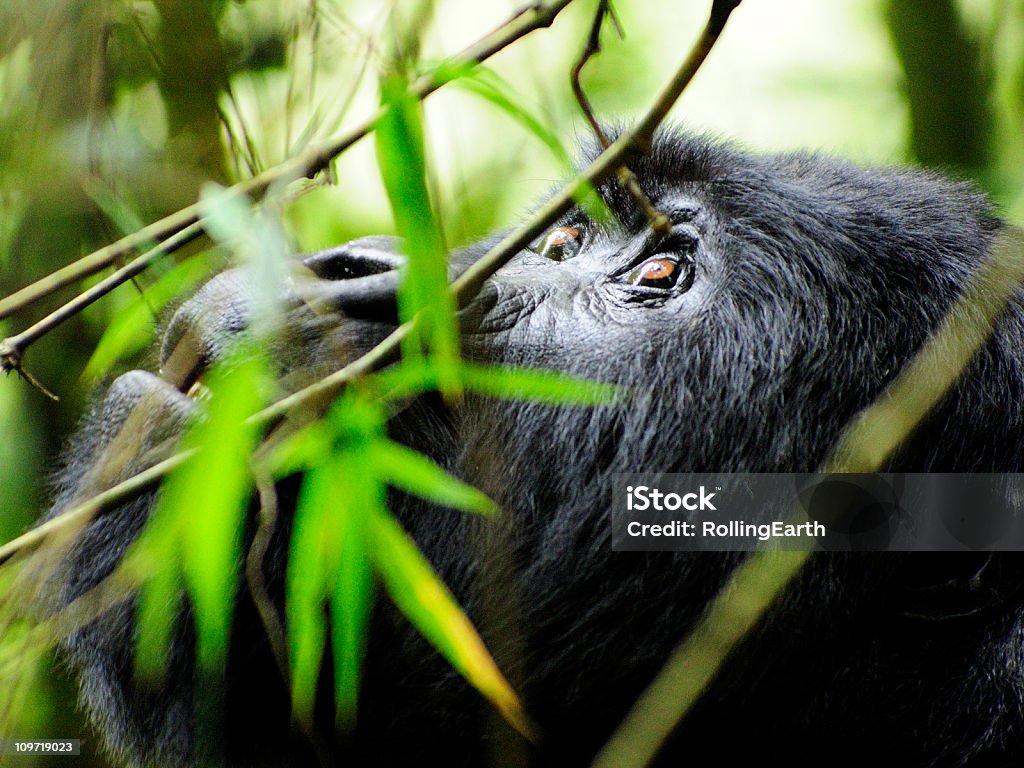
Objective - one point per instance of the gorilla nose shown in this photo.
(359, 279)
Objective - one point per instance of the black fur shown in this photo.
(813, 283)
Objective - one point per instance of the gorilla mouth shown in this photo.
(185, 366)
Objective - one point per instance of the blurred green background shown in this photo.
(113, 113)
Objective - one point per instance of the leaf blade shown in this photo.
(427, 603)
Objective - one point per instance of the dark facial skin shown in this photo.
(790, 291)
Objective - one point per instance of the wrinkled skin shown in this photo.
(802, 286)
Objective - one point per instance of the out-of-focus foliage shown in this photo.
(115, 112)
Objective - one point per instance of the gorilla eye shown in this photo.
(560, 244)
(655, 273)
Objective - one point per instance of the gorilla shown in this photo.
(789, 292)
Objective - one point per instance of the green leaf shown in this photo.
(537, 385)
(211, 495)
(413, 472)
(410, 378)
(428, 604)
(194, 534)
(328, 562)
(258, 241)
(227, 214)
(352, 596)
(304, 448)
(154, 561)
(311, 563)
(406, 378)
(487, 84)
(424, 291)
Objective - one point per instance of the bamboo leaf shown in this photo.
(410, 378)
(210, 495)
(312, 564)
(415, 473)
(428, 604)
(328, 562)
(193, 538)
(352, 597)
(424, 291)
(304, 448)
(488, 85)
(155, 562)
(538, 385)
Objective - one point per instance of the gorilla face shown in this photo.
(789, 292)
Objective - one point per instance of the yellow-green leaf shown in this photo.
(159, 602)
(328, 564)
(210, 495)
(424, 291)
(537, 385)
(428, 604)
(415, 473)
(311, 564)
(488, 85)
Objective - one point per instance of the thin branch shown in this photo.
(32, 380)
(101, 502)
(12, 349)
(867, 442)
(644, 133)
(658, 221)
(591, 49)
(98, 260)
(308, 164)
(254, 563)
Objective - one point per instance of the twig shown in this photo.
(101, 502)
(254, 571)
(591, 49)
(307, 164)
(720, 11)
(32, 380)
(658, 221)
(12, 349)
(98, 260)
(864, 446)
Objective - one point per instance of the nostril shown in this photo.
(328, 265)
(359, 279)
(360, 258)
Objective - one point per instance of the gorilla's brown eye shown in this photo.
(560, 244)
(655, 273)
